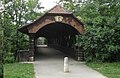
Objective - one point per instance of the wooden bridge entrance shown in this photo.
(59, 27)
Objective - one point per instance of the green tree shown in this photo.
(1, 53)
(100, 40)
(16, 14)
(1, 41)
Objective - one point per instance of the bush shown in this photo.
(9, 58)
(100, 44)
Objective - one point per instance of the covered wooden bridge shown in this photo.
(59, 27)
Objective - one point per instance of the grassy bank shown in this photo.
(17, 70)
(111, 70)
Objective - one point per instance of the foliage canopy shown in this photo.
(101, 39)
(16, 13)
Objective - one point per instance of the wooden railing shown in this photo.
(23, 55)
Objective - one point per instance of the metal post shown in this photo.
(66, 65)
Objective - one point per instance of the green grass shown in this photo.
(111, 70)
(17, 70)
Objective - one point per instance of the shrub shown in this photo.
(9, 58)
(100, 44)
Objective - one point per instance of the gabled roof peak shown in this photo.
(58, 10)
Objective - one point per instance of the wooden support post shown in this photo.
(79, 55)
(31, 47)
(35, 46)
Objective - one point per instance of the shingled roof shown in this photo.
(58, 10)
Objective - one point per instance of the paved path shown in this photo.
(50, 65)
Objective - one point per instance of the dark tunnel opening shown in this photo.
(60, 36)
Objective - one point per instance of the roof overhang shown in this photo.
(55, 11)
